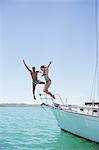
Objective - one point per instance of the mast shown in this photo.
(97, 46)
(95, 86)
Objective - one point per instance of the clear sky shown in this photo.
(42, 30)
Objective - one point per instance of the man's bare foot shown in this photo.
(34, 97)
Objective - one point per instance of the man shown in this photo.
(34, 75)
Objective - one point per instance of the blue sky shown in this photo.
(39, 31)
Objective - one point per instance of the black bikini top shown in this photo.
(43, 74)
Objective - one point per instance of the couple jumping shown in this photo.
(34, 75)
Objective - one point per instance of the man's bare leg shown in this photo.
(41, 82)
(34, 91)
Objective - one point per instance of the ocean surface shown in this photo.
(35, 128)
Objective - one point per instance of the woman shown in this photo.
(47, 79)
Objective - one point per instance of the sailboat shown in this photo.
(82, 120)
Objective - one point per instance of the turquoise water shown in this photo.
(35, 128)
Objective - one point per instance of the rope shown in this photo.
(47, 112)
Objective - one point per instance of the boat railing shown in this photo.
(49, 100)
(89, 110)
(58, 103)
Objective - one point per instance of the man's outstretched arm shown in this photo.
(39, 71)
(26, 66)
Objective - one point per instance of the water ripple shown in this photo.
(32, 128)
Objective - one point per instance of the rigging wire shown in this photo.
(95, 85)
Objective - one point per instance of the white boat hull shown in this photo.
(82, 125)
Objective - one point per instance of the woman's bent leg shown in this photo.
(46, 89)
